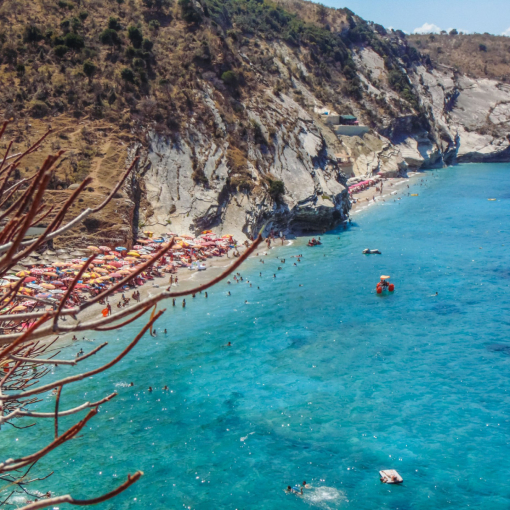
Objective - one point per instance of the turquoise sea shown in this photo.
(325, 382)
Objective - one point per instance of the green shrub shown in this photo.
(154, 24)
(109, 37)
(130, 52)
(11, 55)
(60, 50)
(482, 47)
(135, 36)
(65, 5)
(147, 44)
(74, 41)
(83, 15)
(114, 24)
(127, 75)
(89, 68)
(32, 34)
(38, 108)
(276, 189)
(20, 69)
(230, 78)
(188, 12)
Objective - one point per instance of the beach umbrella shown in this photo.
(37, 271)
(101, 270)
(29, 279)
(58, 283)
(133, 254)
(12, 277)
(93, 248)
(121, 248)
(115, 275)
(105, 248)
(21, 274)
(137, 247)
(47, 286)
(146, 257)
(115, 264)
(81, 286)
(43, 295)
(58, 291)
(109, 257)
(19, 308)
(49, 273)
(124, 272)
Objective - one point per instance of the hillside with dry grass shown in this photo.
(473, 55)
(218, 96)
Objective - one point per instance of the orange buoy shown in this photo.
(379, 290)
(391, 287)
(105, 312)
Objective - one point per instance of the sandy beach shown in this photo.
(186, 280)
(393, 189)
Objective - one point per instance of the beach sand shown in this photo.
(187, 280)
(392, 189)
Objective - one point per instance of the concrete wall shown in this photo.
(331, 119)
(351, 130)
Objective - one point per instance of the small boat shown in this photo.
(384, 286)
(390, 476)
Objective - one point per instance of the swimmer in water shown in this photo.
(206, 294)
(184, 303)
(150, 389)
(131, 384)
(173, 302)
(228, 293)
(274, 276)
(165, 387)
(306, 486)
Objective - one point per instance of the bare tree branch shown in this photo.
(84, 502)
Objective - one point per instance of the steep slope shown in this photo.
(220, 97)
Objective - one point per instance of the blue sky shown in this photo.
(491, 16)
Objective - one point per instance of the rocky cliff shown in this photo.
(224, 100)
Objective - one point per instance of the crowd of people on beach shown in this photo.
(45, 277)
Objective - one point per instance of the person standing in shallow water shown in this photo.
(184, 303)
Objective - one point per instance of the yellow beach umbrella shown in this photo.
(133, 253)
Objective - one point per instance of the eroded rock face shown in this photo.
(203, 180)
(295, 153)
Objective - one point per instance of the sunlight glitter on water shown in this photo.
(326, 382)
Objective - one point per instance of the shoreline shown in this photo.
(393, 187)
(188, 279)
